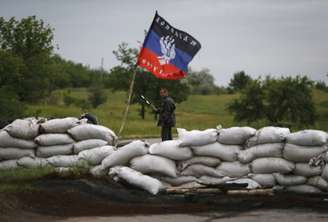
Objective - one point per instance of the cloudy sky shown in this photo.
(280, 37)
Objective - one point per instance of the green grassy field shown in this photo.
(198, 112)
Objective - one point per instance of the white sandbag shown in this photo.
(90, 131)
(304, 189)
(297, 153)
(265, 180)
(221, 151)
(208, 180)
(235, 135)
(23, 129)
(8, 164)
(171, 149)
(48, 151)
(137, 179)
(154, 165)
(319, 182)
(59, 125)
(324, 174)
(88, 144)
(271, 165)
(177, 181)
(303, 169)
(261, 150)
(198, 170)
(233, 169)
(32, 162)
(190, 185)
(8, 141)
(251, 184)
(64, 161)
(308, 138)
(289, 179)
(197, 137)
(268, 134)
(53, 139)
(96, 155)
(124, 154)
(204, 160)
(98, 171)
(15, 153)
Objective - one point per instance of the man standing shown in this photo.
(166, 115)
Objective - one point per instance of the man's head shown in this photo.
(163, 92)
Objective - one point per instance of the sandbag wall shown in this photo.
(57, 142)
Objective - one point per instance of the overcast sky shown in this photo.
(261, 37)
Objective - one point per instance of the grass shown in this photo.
(198, 112)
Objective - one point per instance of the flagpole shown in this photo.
(128, 103)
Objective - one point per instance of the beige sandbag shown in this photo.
(123, 155)
(221, 151)
(303, 169)
(271, 165)
(151, 164)
(32, 162)
(8, 164)
(265, 180)
(324, 174)
(8, 141)
(59, 125)
(48, 151)
(197, 137)
(289, 179)
(204, 160)
(96, 155)
(177, 181)
(23, 129)
(88, 144)
(304, 189)
(235, 135)
(198, 170)
(308, 138)
(233, 169)
(15, 153)
(98, 171)
(261, 150)
(319, 182)
(53, 139)
(170, 149)
(90, 131)
(208, 180)
(64, 161)
(297, 153)
(268, 134)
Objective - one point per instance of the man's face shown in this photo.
(163, 93)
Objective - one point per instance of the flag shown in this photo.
(167, 51)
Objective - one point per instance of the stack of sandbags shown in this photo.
(17, 141)
(300, 147)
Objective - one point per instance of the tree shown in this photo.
(239, 81)
(201, 82)
(285, 102)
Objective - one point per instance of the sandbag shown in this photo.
(53, 139)
(303, 169)
(48, 151)
(59, 125)
(98, 171)
(177, 181)
(151, 164)
(265, 180)
(198, 170)
(268, 134)
(261, 150)
(204, 160)
(303, 189)
(324, 174)
(190, 185)
(15, 153)
(124, 154)
(171, 149)
(233, 169)
(88, 144)
(271, 165)
(221, 151)
(64, 161)
(8, 164)
(208, 180)
(32, 162)
(308, 138)
(137, 179)
(251, 184)
(289, 180)
(8, 141)
(319, 182)
(96, 155)
(197, 137)
(90, 131)
(297, 153)
(235, 135)
(23, 129)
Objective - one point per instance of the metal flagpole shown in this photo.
(128, 104)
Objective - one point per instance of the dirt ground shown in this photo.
(84, 200)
